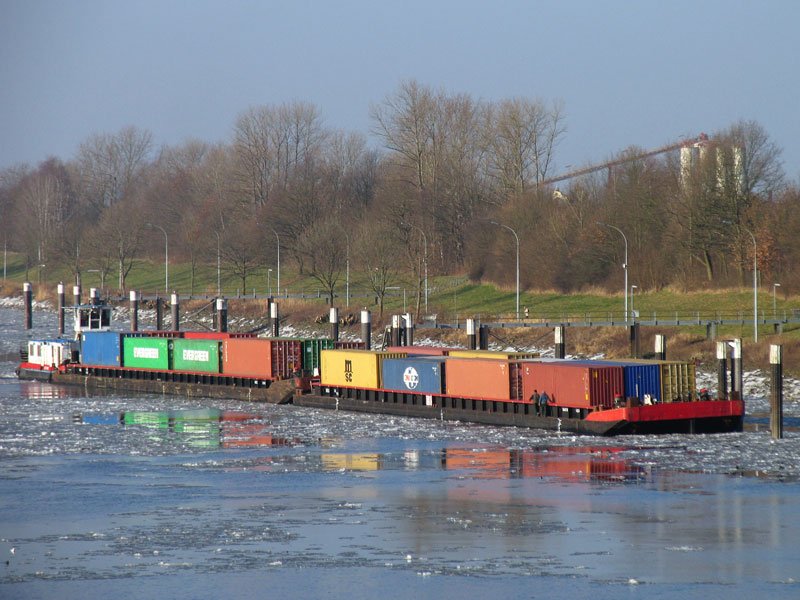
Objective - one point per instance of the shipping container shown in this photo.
(483, 378)
(162, 333)
(146, 353)
(353, 368)
(642, 378)
(102, 348)
(195, 355)
(349, 345)
(574, 384)
(492, 354)
(312, 349)
(414, 374)
(261, 358)
(678, 381)
(215, 335)
(420, 350)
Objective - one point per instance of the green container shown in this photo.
(155, 420)
(145, 353)
(195, 355)
(312, 352)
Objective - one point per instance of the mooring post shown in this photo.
(736, 370)
(366, 328)
(395, 335)
(159, 314)
(472, 342)
(276, 322)
(134, 296)
(634, 336)
(27, 294)
(76, 295)
(560, 347)
(661, 347)
(722, 370)
(175, 311)
(222, 315)
(776, 396)
(333, 319)
(61, 304)
(711, 331)
(409, 329)
(483, 337)
(94, 296)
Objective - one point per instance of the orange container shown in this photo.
(482, 378)
(261, 358)
(573, 384)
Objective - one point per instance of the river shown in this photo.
(132, 496)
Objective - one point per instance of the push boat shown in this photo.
(448, 384)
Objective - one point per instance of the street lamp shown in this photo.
(424, 260)
(166, 256)
(624, 265)
(774, 302)
(279, 259)
(633, 311)
(755, 285)
(516, 237)
(219, 279)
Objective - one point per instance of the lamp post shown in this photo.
(166, 256)
(279, 259)
(516, 237)
(624, 265)
(755, 285)
(774, 301)
(633, 311)
(424, 260)
(219, 279)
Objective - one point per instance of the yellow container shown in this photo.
(493, 354)
(351, 462)
(678, 381)
(354, 368)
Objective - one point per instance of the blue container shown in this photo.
(415, 374)
(101, 348)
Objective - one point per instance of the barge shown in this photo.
(448, 384)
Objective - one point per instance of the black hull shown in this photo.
(512, 419)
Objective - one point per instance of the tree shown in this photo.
(376, 255)
(325, 246)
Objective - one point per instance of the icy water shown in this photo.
(148, 496)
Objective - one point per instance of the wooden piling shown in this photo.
(276, 322)
(776, 395)
(61, 304)
(634, 337)
(27, 294)
(472, 342)
(483, 337)
(159, 314)
(366, 328)
(560, 341)
(76, 295)
(722, 370)
(660, 347)
(333, 319)
(175, 312)
(736, 370)
(409, 329)
(222, 315)
(134, 298)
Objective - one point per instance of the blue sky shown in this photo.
(642, 73)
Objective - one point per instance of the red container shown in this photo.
(575, 386)
(483, 378)
(215, 335)
(419, 350)
(261, 358)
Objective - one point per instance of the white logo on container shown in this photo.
(196, 355)
(411, 378)
(145, 353)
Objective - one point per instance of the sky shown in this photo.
(629, 73)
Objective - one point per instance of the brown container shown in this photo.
(261, 358)
(573, 385)
(482, 378)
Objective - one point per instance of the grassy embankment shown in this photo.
(452, 298)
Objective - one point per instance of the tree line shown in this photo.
(447, 173)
